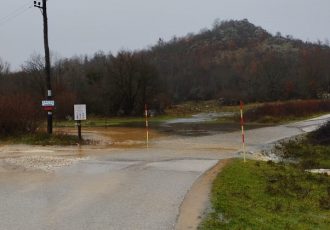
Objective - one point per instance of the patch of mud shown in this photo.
(44, 163)
(116, 136)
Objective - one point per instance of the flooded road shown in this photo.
(121, 183)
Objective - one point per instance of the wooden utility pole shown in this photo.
(43, 8)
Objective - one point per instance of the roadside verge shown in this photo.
(196, 202)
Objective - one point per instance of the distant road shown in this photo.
(107, 188)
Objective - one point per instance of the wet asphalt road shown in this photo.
(120, 188)
(100, 195)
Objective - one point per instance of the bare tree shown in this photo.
(4, 67)
(133, 79)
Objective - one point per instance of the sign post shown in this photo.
(79, 129)
(147, 123)
(48, 105)
(80, 114)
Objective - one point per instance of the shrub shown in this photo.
(19, 114)
(64, 104)
(322, 135)
(288, 109)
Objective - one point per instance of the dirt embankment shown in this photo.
(196, 202)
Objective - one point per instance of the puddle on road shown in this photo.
(199, 118)
(201, 125)
(203, 129)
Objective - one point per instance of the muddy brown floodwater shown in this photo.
(118, 137)
(121, 183)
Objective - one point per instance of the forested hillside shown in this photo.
(233, 60)
(239, 60)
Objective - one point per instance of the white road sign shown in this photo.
(80, 113)
(48, 103)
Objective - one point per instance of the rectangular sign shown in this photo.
(47, 103)
(80, 113)
(48, 108)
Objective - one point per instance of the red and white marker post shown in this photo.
(147, 123)
(243, 133)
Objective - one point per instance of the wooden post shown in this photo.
(43, 9)
(147, 123)
(47, 66)
(79, 130)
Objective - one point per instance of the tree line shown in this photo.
(232, 60)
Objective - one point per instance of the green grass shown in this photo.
(261, 195)
(311, 151)
(44, 139)
(308, 155)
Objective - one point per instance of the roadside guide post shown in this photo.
(147, 123)
(243, 134)
(80, 114)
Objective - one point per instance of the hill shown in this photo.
(237, 59)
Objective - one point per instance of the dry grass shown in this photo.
(281, 111)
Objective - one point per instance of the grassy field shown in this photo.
(307, 154)
(310, 151)
(266, 195)
(261, 195)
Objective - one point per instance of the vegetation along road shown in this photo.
(110, 187)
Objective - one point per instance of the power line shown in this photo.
(14, 16)
(15, 13)
(17, 9)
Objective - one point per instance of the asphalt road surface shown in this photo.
(116, 188)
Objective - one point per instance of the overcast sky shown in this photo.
(84, 26)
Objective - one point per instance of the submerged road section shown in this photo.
(104, 187)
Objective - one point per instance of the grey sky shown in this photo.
(84, 26)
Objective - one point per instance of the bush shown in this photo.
(19, 114)
(307, 154)
(288, 109)
(322, 135)
(64, 102)
(325, 200)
